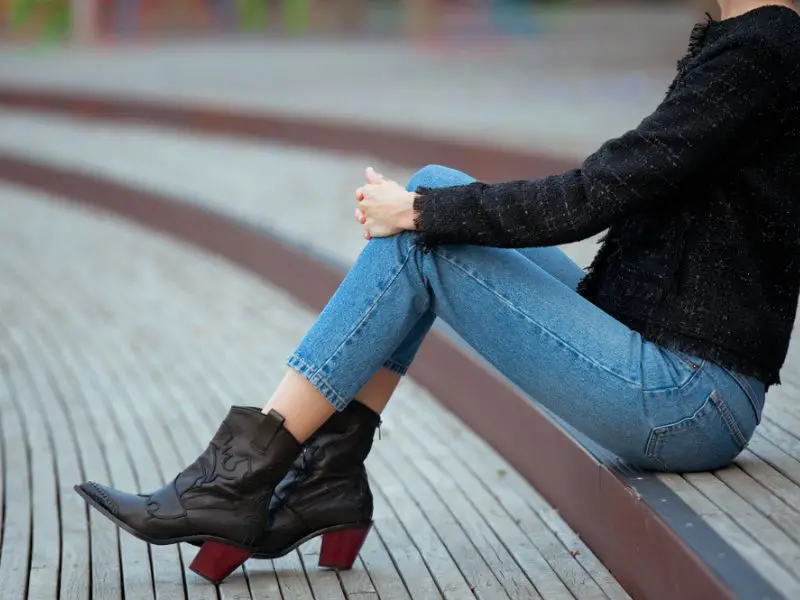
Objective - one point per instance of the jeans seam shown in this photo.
(366, 314)
(531, 320)
(729, 419)
(318, 381)
(748, 390)
(397, 367)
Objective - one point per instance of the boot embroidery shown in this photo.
(217, 462)
(222, 462)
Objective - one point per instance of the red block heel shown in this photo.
(216, 561)
(340, 548)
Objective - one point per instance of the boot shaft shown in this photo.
(248, 448)
(343, 443)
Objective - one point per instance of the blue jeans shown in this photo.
(655, 408)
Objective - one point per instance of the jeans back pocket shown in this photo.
(710, 438)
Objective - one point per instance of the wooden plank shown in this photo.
(324, 583)
(753, 480)
(782, 401)
(46, 534)
(77, 381)
(741, 540)
(439, 562)
(482, 582)
(491, 530)
(384, 573)
(789, 428)
(14, 563)
(357, 582)
(568, 557)
(785, 474)
(775, 541)
(54, 461)
(88, 380)
(781, 438)
(108, 581)
(105, 563)
(508, 526)
(406, 558)
(5, 401)
(74, 527)
(292, 577)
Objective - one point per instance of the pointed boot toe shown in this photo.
(222, 497)
(126, 510)
(101, 497)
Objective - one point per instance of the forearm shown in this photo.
(516, 214)
(643, 169)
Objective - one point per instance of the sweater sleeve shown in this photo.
(687, 134)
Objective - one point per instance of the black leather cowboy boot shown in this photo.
(325, 493)
(220, 499)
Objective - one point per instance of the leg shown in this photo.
(627, 394)
(379, 389)
(536, 285)
(563, 350)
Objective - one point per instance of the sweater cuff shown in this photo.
(439, 216)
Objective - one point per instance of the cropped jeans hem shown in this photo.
(319, 381)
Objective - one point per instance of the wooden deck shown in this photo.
(86, 345)
(119, 370)
(755, 503)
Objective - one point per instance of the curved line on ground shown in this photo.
(488, 162)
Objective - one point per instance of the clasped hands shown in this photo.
(385, 207)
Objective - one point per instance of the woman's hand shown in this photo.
(384, 207)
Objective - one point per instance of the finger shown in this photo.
(360, 217)
(366, 190)
(373, 177)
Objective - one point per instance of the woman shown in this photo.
(662, 353)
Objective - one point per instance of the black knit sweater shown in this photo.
(701, 202)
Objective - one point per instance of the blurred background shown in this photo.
(110, 20)
(553, 77)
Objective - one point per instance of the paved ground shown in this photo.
(120, 369)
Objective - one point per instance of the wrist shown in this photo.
(409, 215)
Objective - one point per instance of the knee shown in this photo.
(434, 176)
